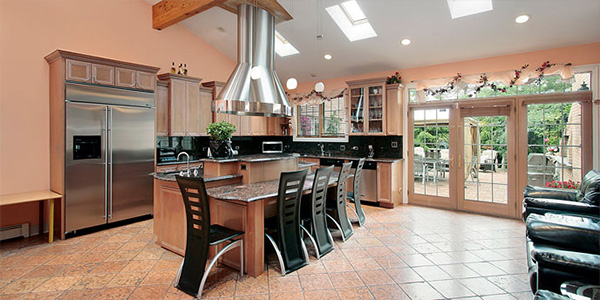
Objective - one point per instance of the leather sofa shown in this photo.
(583, 201)
(563, 234)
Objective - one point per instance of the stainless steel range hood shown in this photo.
(263, 96)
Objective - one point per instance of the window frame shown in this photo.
(321, 138)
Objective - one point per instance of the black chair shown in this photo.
(192, 274)
(584, 201)
(289, 246)
(313, 213)
(336, 204)
(354, 196)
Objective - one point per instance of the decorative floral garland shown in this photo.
(483, 81)
(313, 93)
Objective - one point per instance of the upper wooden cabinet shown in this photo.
(367, 107)
(394, 109)
(162, 108)
(188, 106)
(90, 69)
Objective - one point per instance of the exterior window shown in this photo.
(323, 120)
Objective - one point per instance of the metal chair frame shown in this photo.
(358, 211)
(340, 203)
(319, 234)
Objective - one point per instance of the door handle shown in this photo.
(110, 163)
(105, 163)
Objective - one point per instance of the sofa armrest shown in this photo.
(565, 231)
(549, 193)
(567, 261)
(542, 206)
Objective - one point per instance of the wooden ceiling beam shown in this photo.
(168, 12)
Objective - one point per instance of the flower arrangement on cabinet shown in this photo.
(396, 78)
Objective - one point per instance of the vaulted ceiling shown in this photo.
(436, 37)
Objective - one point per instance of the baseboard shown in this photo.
(20, 230)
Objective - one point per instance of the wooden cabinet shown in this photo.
(394, 109)
(169, 216)
(389, 183)
(275, 126)
(102, 74)
(125, 77)
(367, 107)
(145, 80)
(161, 105)
(78, 70)
(135, 79)
(188, 112)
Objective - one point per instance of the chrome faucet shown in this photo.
(187, 161)
(322, 149)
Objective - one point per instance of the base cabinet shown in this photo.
(389, 184)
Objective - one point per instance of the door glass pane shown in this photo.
(357, 98)
(554, 145)
(484, 150)
(431, 153)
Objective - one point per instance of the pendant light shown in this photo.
(319, 86)
(291, 83)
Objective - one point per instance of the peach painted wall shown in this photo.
(30, 30)
(577, 55)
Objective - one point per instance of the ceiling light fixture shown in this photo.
(405, 42)
(291, 83)
(327, 56)
(463, 8)
(283, 47)
(351, 20)
(319, 87)
(522, 19)
(255, 72)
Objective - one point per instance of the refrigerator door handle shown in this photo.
(105, 163)
(110, 162)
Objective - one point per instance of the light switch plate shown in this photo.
(342, 147)
(394, 144)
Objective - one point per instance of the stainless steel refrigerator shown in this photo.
(109, 154)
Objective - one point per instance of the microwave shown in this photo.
(272, 147)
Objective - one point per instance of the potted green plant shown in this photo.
(220, 138)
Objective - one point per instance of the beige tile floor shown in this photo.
(410, 252)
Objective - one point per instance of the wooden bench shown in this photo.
(40, 196)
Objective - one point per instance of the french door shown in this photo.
(486, 162)
(461, 156)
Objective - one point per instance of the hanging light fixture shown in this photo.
(319, 87)
(291, 83)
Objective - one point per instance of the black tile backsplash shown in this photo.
(356, 146)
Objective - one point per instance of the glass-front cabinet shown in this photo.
(367, 106)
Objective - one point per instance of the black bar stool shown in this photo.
(313, 213)
(336, 204)
(192, 274)
(289, 246)
(354, 196)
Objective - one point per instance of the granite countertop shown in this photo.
(170, 176)
(252, 158)
(259, 190)
(384, 160)
(303, 164)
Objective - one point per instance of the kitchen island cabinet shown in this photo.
(389, 184)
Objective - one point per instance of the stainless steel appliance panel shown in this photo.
(368, 185)
(85, 173)
(108, 95)
(131, 139)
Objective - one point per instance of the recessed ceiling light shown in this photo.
(463, 8)
(221, 29)
(351, 20)
(522, 19)
(405, 42)
(283, 47)
(327, 56)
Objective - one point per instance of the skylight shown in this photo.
(463, 8)
(351, 20)
(283, 47)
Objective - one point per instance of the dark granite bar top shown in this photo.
(252, 158)
(259, 190)
(170, 176)
(384, 160)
